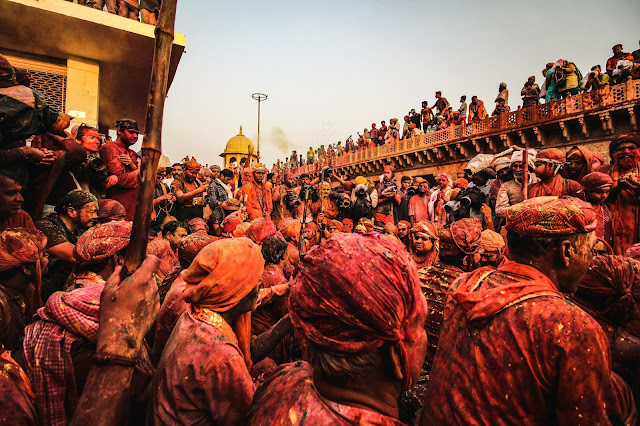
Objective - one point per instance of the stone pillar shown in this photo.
(82, 91)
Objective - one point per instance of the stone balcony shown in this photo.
(592, 119)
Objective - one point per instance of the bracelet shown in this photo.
(106, 359)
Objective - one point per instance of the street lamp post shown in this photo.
(259, 97)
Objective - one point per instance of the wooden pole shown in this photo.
(152, 142)
(525, 174)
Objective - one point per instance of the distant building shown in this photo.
(238, 148)
(93, 65)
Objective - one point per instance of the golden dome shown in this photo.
(240, 144)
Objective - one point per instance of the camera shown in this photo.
(309, 192)
(472, 197)
(291, 200)
(411, 191)
(452, 206)
(96, 163)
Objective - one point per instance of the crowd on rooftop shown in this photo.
(508, 296)
(560, 79)
(145, 11)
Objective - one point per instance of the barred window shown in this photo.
(53, 86)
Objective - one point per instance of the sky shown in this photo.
(331, 68)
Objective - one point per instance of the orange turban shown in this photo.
(491, 241)
(289, 227)
(223, 273)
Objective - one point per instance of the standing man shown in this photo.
(552, 358)
(612, 62)
(122, 162)
(257, 197)
(463, 108)
(547, 166)
(401, 211)
(189, 192)
(419, 203)
(441, 103)
(427, 116)
(477, 110)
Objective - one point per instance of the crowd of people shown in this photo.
(561, 79)
(140, 10)
(509, 296)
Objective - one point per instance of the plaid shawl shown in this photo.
(66, 318)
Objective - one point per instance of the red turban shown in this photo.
(405, 223)
(611, 288)
(465, 235)
(230, 222)
(191, 245)
(389, 168)
(198, 222)
(111, 210)
(347, 225)
(460, 183)
(550, 216)
(289, 227)
(260, 229)
(338, 225)
(103, 241)
(623, 139)
(633, 251)
(311, 226)
(223, 273)
(355, 292)
(491, 241)
(159, 247)
(553, 154)
(192, 164)
(20, 246)
(597, 182)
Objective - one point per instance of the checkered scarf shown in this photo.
(66, 318)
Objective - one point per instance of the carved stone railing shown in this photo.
(605, 99)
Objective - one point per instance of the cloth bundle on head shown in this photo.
(64, 319)
(191, 245)
(389, 168)
(261, 229)
(231, 204)
(418, 180)
(629, 137)
(311, 226)
(463, 236)
(597, 182)
(76, 199)
(103, 241)
(551, 216)
(611, 288)
(109, 209)
(390, 227)
(289, 227)
(479, 163)
(491, 241)
(355, 292)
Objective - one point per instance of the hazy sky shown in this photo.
(331, 68)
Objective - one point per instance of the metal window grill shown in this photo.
(51, 85)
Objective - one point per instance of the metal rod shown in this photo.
(152, 142)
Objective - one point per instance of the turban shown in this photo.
(389, 168)
(259, 167)
(347, 225)
(623, 139)
(426, 227)
(311, 226)
(444, 176)
(462, 236)
(355, 292)
(230, 222)
(501, 163)
(103, 241)
(7, 73)
(241, 229)
(633, 251)
(337, 224)
(360, 180)
(390, 227)
(361, 228)
(198, 221)
(611, 287)
(76, 198)
(553, 155)
(260, 229)
(289, 227)
(551, 216)
(516, 157)
(599, 158)
(418, 180)
(192, 164)
(20, 246)
(405, 223)
(597, 182)
(460, 183)
(159, 247)
(223, 273)
(491, 241)
(111, 209)
(191, 245)
(348, 186)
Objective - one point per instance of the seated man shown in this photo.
(11, 213)
(512, 348)
(361, 323)
(76, 212)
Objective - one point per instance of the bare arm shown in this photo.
(64, 252)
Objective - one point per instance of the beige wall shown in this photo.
(83, 89)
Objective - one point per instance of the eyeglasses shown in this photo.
(86, 126)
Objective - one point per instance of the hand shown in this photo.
(125, 159)
(111, 181)
(485, 210)
(203, 187)
(127, 310)
(40, 156)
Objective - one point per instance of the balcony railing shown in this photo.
(526, 117)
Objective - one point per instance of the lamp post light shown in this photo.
(259, 97)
